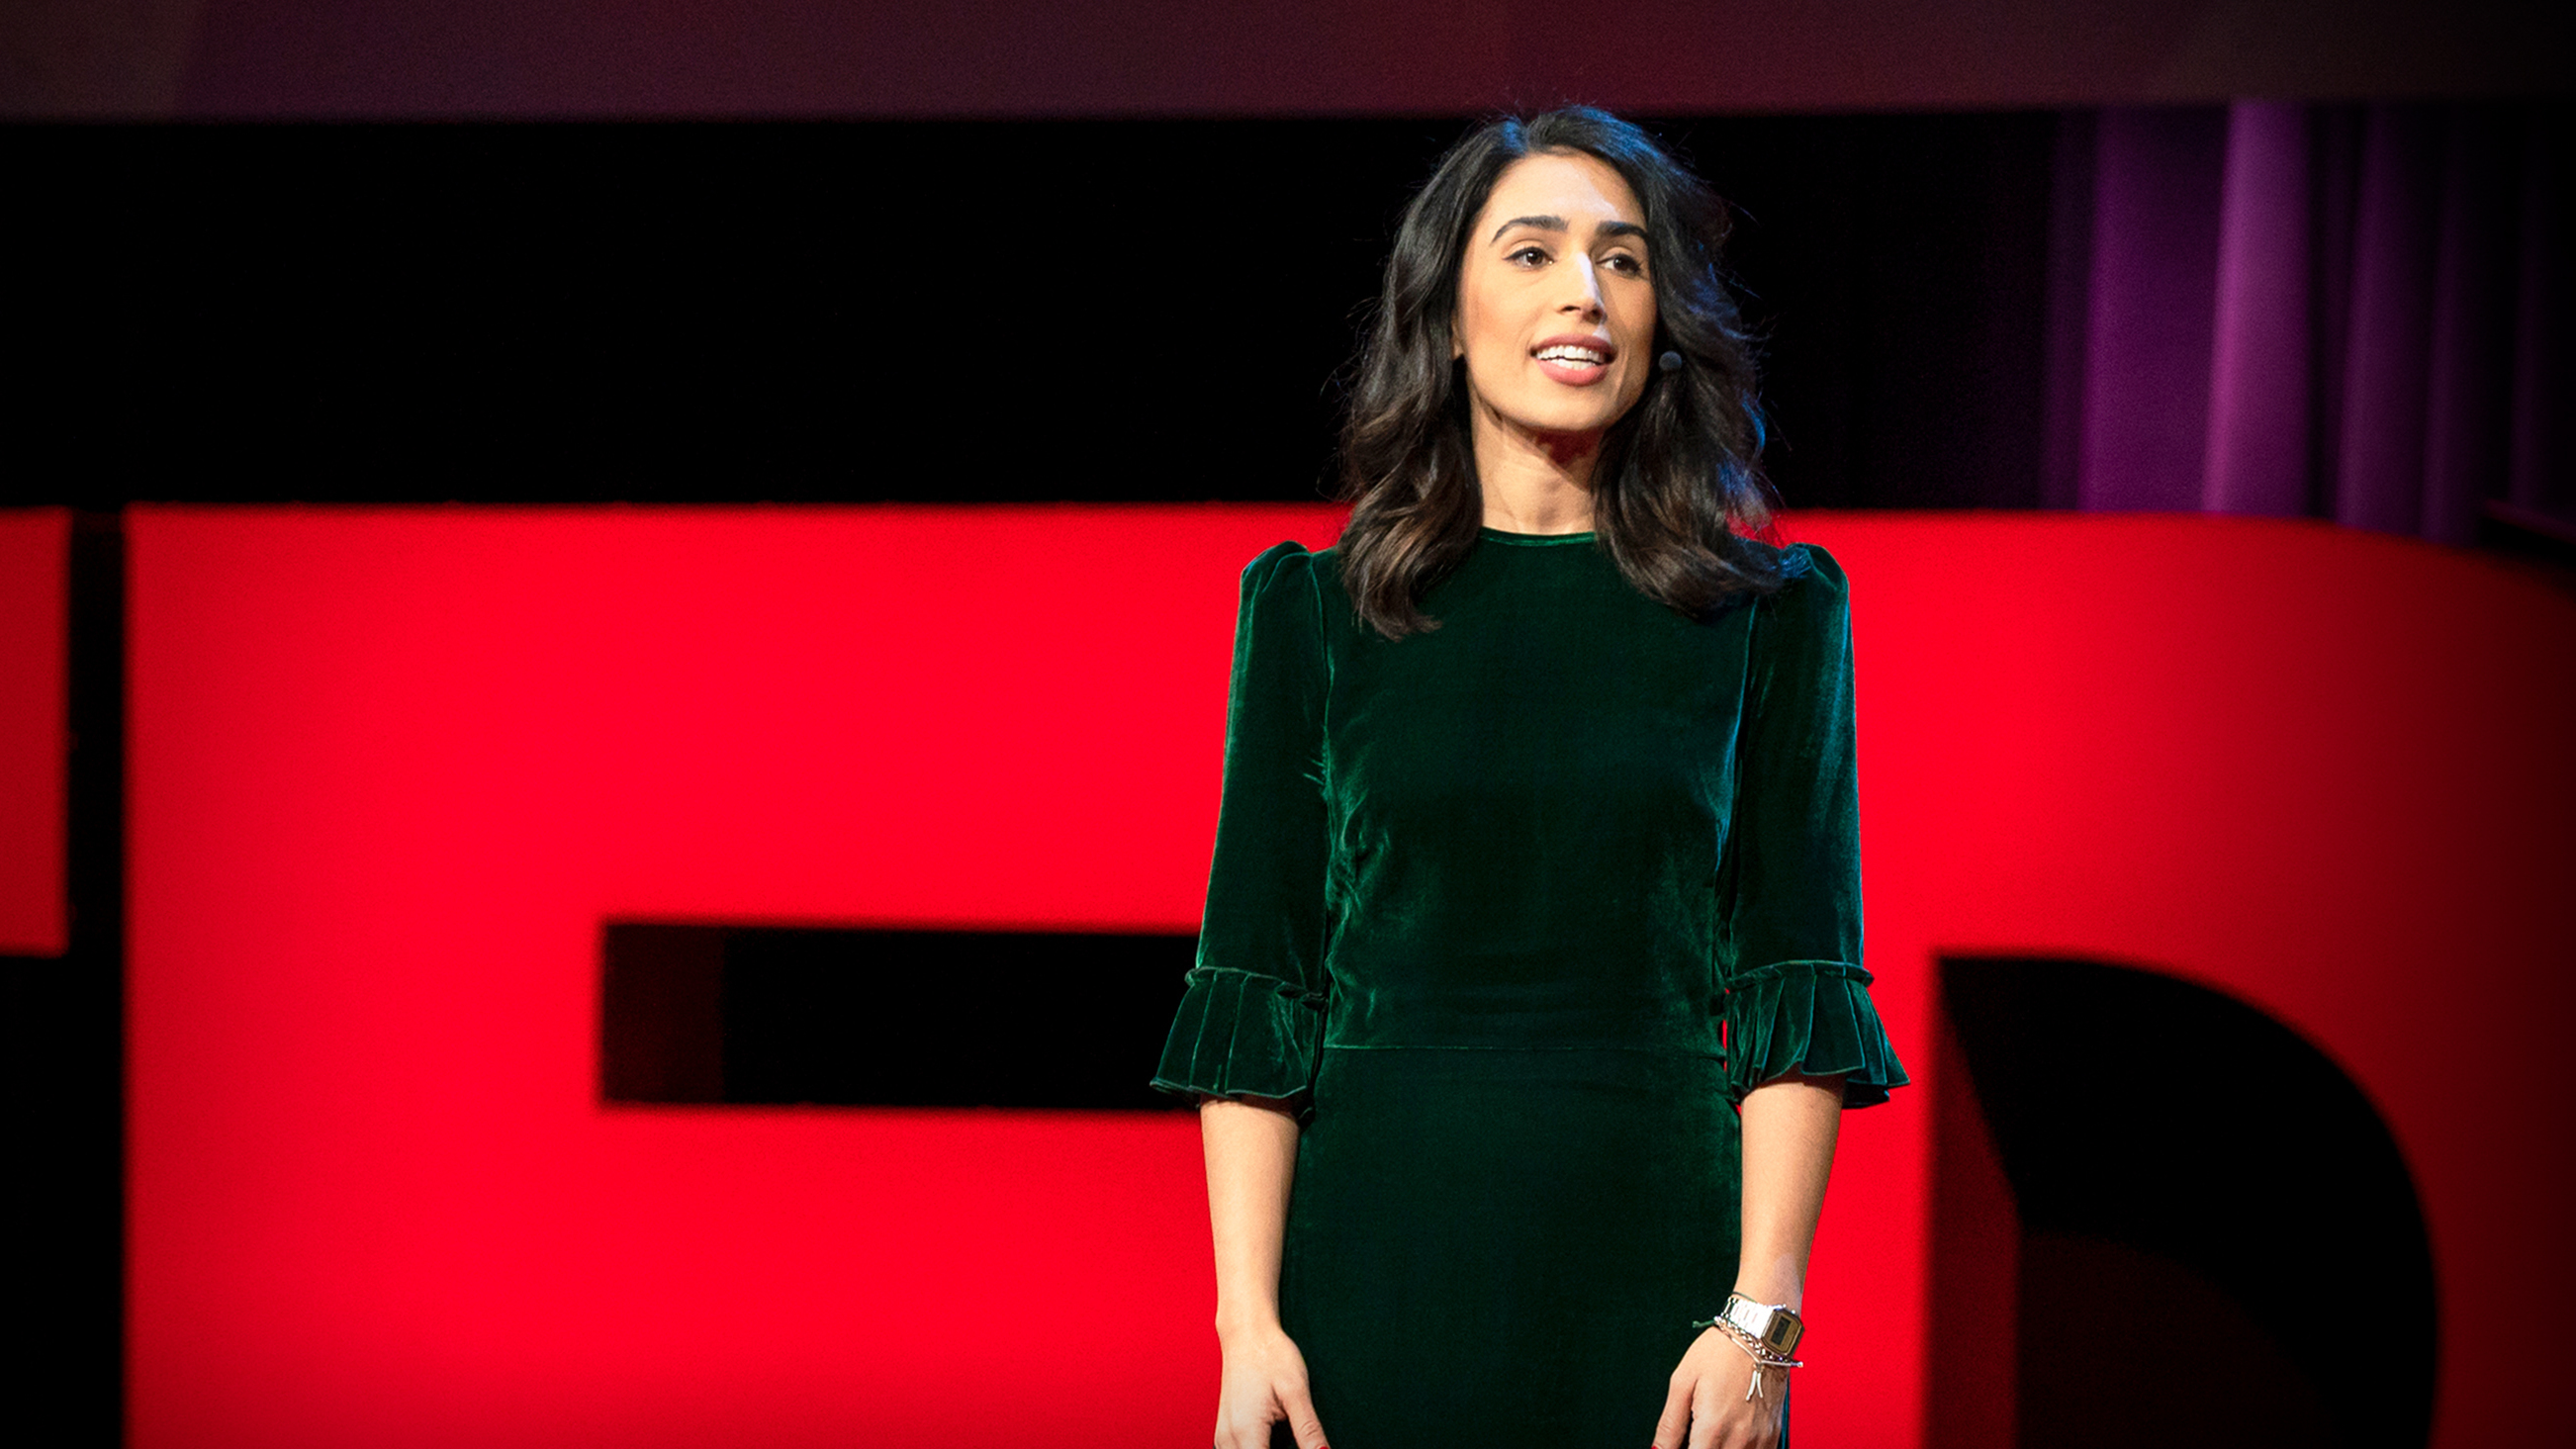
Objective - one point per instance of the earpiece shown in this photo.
(1670, 362)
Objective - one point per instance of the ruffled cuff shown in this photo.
(1238, 1033)
(1812, 1017)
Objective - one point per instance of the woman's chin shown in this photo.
(1557, 416)
(1560, 427)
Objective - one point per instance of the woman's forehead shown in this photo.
(1570, 185)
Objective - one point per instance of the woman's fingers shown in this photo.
(1301, 1416)
(1247, 1432)
(1706, 1406)
(1243, 1419)
(1264, 1384)
(1674, 1426)
(1705, 1423)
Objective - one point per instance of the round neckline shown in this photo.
(1501, 535)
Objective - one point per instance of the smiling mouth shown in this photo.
(1574, 362)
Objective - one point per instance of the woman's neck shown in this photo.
(1534, 482)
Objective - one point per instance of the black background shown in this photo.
(968, 311)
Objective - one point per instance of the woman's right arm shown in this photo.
(1251, 1161)
(1247, 1034)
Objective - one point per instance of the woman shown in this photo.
(1537, 863)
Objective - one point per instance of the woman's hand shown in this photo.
(1707, 1409)
(1265, 1381)
(1789, 1128)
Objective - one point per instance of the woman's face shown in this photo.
(1556, 311)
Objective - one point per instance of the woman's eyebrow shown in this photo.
(1557, 223)
(1543, 223)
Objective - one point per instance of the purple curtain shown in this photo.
(2347, 312)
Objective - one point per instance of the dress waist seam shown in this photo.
(1332, 1046)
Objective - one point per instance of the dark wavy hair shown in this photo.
(1677, 488)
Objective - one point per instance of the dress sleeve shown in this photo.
(1251, 1021)
(1796, 996)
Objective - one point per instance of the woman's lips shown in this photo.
(1575, 361)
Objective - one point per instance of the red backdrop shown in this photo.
(391, 770)
(35, 554)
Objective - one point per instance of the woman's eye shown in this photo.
(1623, 263)
(1526, 256)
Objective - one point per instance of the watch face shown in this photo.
(1777, 1330)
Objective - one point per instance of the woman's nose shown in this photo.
(1584, 295)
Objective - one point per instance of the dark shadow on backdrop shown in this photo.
(66, 1049)
(2161, 1217)
(751, 1015)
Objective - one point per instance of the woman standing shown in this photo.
(1531, 952)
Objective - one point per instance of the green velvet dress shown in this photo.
(1514, 912)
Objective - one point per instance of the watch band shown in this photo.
(1776, 1326)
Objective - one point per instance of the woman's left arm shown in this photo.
(1789, 1127)
(1803, 1043)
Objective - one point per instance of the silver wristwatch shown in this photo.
(1775, 1326)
